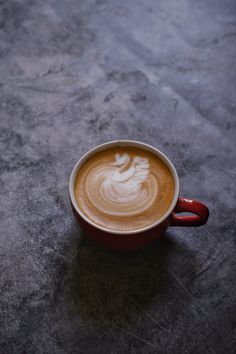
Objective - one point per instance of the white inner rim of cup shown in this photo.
(121, 143)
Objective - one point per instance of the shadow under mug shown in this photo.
(135, 239)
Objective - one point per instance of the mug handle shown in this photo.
(190, 206)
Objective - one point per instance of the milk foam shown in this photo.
(125, 187)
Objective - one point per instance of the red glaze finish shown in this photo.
(122, 242)
(191, 206)
(131, 242)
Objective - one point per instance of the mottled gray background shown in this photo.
(74, 74)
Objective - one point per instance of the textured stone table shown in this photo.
(74, 74)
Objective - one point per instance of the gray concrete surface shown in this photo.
(74, 74)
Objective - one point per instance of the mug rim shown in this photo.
(121, 143)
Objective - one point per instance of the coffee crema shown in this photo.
(124, 188)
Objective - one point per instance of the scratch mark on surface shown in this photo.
(208, 264)
(93, 332)
(122, 330)
(114, 337)
(40, 268)
(48, 248)
(42, 90)
(208, 232)
(189, 294)
(23, 343)
(176, 102)
(146, 314)
(112, 324)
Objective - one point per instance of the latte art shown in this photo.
(124, 187)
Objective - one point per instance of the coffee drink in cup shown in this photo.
(124, 188)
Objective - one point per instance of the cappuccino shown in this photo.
(124, 188)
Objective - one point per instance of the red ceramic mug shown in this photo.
(135, 239)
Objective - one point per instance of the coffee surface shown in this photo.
(124, 188)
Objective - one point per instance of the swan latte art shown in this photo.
(124, 188)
